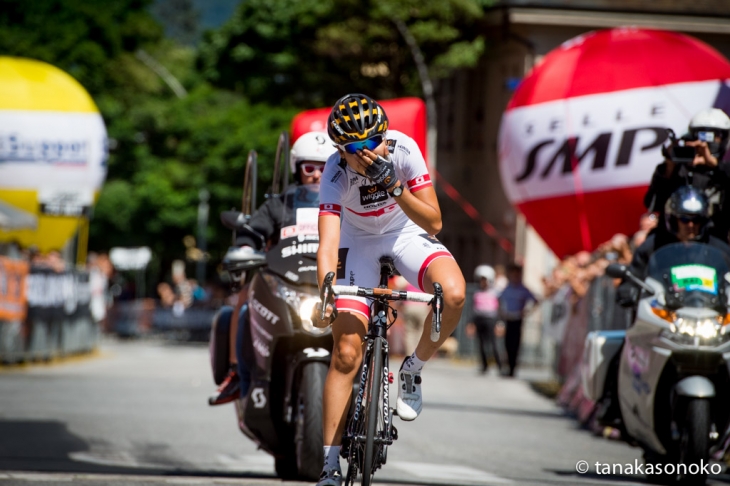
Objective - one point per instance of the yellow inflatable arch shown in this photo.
(53, 152)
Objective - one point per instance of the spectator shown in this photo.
(484, 317)
(512, 304)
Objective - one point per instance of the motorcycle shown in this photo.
(287, 356)
(665, 381)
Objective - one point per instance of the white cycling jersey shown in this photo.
(365, 205)
(373, 225)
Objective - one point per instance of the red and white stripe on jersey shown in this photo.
(420, 182)
(353, 306)
(377, 212)
(330, 210)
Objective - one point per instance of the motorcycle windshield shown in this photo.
(693, 275)
(294, 258)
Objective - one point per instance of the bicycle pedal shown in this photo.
(393, 432)
(390, 377)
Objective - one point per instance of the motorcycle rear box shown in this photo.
(600, 349)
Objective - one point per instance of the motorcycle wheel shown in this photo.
(286, 467)
(658, 462)
(308, 422)
(695, 442)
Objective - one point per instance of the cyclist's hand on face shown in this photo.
(317, 312)
(380, 170)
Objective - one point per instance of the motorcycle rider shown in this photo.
(687, 217)
(308, 156)
(709, 134)
(376, 199)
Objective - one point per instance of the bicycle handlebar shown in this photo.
(436, 299)
(387, 293)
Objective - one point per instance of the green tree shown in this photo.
(307, 52)
(80, 37)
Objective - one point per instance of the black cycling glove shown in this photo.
(382, 172)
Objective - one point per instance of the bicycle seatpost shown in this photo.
(437, 304)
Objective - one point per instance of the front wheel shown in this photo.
(695, 442)
(374, 411)
(308, 424)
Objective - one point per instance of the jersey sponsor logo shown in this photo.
(391, 145)
(432, 241)
(299, 249)
(354, 180)
(372, 194)
(341, 262)
(405, 149)
(336, 177)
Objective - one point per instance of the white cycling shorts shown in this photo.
(358, 263)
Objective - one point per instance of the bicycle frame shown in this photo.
(366, 449)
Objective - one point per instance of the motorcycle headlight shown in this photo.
(302, 304)
(306, 306)
(694, 327)
(705, 328)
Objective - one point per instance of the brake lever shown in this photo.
(326, 296)
(437, 305)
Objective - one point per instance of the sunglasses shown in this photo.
(370, 144)
(309, 168)
(697, 220)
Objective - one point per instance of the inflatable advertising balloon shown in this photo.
(407, 115)
(53, 151)
(582, 135)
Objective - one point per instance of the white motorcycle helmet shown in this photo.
(313, 147)
(484, 271)
(711, 125)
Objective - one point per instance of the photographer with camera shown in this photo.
(696, 159)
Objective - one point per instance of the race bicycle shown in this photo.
(370, 428)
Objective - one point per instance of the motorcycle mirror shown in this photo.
(616, 270)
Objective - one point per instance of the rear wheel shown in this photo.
(308, 422)
(374, 413)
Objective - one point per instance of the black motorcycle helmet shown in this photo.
(356, 117)
(690, 203)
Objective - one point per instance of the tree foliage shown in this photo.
(245, 82)
(308, 52)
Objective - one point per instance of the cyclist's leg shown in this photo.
(446, 272)
(348, 332)
(423, 260)
(357, 265)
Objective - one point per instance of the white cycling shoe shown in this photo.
(330, 477)
(410, 400)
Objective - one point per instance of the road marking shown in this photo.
(114, 458)
(437, 472)
(262, 463)
(126, 479)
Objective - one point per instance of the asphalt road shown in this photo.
(136, 413)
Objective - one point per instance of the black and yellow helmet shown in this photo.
(356, 117)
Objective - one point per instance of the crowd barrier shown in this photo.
(55, 319)
(142, 317)
(595, 311)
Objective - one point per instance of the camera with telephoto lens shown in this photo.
(676, 150)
